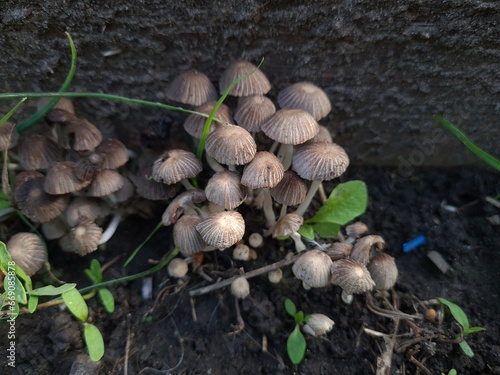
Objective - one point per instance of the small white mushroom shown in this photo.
(317, 325)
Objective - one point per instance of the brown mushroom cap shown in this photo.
(81, 135)
(194, 124)
(8, 136)
(180, 204)
(114, 154)
(63, 103)
(264, 171)
(362, 250)
(191, 87)
(383, 270)
(151, 189)
(320, 161)
(186, 237)
(288, 225)
(27, 251)
(306, 96)
(252, 111)
(87, 167)
(225, 189)
(61, 179)
(339, 250)
(85, 208)
(255, 84)
(105, 183)
(356, 229)
(33, 201)
(352, 276)
(176, 165)
(313, 268)
(222, 229)
(82, 239)
(291, 190)
(290, 126)
(231, 145)
(38, 152)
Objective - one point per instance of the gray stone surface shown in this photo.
(387, 66)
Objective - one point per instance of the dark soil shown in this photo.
(160, 336)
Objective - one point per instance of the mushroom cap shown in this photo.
(194, 124)
(225, 189)
(252, 111)
(306, 96)
(125, 192)
(313, 268)
(356, 229)
(291, 190)
(240, 287)
(32, 199)
(264, 171)
(320, 161)
(176, 165)
(288, 225)
(8, 136)
(38, 152)
(186, 237)
(87, 167)
(255, 84)
(352, 276)
(191, 87)
(177, 268)
(184, 200)
(339, 250)
(383, 271)
(318, 324)
(241, 252)
(61, 179)
(63, 103)
(105, 183)
(114, 154)
(222, 229)
(323, 135)
(60, 116)
(82, 239)
(290, 126)
(81, 135)
(27, 251)
(362, 250)
(231, 145)
(54, 229)
(153, 190)
(85, 208)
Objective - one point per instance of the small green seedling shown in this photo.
(95, 275)
(461, 318)
(346, 202)
(451, 372)
(296, 342)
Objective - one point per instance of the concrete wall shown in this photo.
(387, 66)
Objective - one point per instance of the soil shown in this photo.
(161, 336)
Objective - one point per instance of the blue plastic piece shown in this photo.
(413, 244)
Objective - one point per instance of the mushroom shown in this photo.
(61, 179)
(318, 325)
(82, 208)
(275, 275)
(355, 230)
(306, 96)
(176, 166)
(183, 202)
(105, 183)
(352, 276)
(289, 225)
(153, 190)
(113, 153)
(222, 229)
(186, 237)
(313, 269)
(81, 135)
(291, 191)
(383, 271)
(8, 136)
(240, 288)
(87, 167)
(339, 250)
(177, 268)
(27, 251)
(38, 152)
(362, 250)
(252, 111)
(225, 189)
(255, 84)
(83, 238)
(195, 124)
(255, 240)
(191, 87)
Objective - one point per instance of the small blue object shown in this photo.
(416, 242)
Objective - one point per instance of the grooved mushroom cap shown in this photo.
(114, 154)
(81, 135)
(318, 324)
(60, 116)
(194, 124)
(362, 251)
(252, 111)
(8, 136)
(383, 270)
(186, 237)
(38, 152)
(356, 229)
(306, 96)
(125, 192)
(33, 201)
(288, 225)
(264, 171)
(320, 161)
(290, 126)
(222, 229)
(105, 183)
(240, 288)
(339, 250)
(60, 179)
(27, 251)
(63, 103)
(82, 239)
(255, 84)
(86, 168)
(176, 165)
(322, 136)
(191, 87)
(85, 208)
(151, 189)
(313, 268)
(224, 189)
(180, 203)
(352, 276)
(291, 190)
(231, 145)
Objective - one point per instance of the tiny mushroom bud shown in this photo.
(177, 268)
(241, 252)
(383, 270)
(313, 268)
(240, 288)
(317, 325)
(275, 276)
(255, 240)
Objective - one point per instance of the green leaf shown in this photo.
(307, 231)
(452, 372)
(94, 342)
(299, 317)
(4, 119)
(20, 292)
(22, 275)
(473, 330)
(456, 312)
(346, 202)
(94, 272)
(326, 230)
(296, 346)
(466, 349)
(32, 304)
(5, 204)
(51, 290)
(107, 299)
(4, 257)
(487, 158)
(290, 307)
(76, 304)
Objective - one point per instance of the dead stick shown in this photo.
(248, 275)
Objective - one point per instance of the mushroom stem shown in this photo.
(6, 211)
(187, 184)
(214, 164)
(268, 208)
(274, 146)
(285, 154)
(284, 210)
(297, 239)
(310, 195)
(111, 229)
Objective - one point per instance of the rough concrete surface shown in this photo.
(387, 66)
